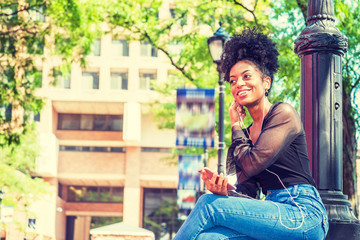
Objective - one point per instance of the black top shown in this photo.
(280, 149)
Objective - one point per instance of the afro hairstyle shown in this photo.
(254, 46)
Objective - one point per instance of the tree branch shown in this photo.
(32, 7)
(181, 69)
(355, 84)
(303, 7)
(247, 9)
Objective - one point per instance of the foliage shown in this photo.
(17, 163)
(284, 20)
(348, 21)
(167, 214)
(97, 222)
(32, 32)
(185, 29)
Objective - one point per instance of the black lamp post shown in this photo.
(216, 46)
(320, 47)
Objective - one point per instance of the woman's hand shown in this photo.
(217, 184)
(236, 112)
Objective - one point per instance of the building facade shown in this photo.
(101, 149)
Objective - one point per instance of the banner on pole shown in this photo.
(186, 200)
(189, 183)
(189, 177)
(195, 117)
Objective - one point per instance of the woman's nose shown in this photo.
(240, 82)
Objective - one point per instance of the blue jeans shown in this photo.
(278, 217)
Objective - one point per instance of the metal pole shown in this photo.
(206, 157)
(320, 47)
(221, 147)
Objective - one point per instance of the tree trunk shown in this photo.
(349, 153)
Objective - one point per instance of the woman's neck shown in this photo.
(259, 111)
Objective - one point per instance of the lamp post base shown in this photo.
(343, 225)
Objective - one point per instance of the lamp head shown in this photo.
(216, 43)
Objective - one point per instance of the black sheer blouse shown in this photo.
(279, 152)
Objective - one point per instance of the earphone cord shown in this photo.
(292, 199)
(242, 123)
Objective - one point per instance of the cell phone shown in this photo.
(210, 173)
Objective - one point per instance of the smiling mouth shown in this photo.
(243, 93)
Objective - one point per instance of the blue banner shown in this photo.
(195, 117)
(189, 183)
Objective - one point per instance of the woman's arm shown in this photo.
(279, 130)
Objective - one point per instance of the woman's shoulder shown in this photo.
(283, 112)
(283, 108)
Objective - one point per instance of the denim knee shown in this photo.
(206, 198)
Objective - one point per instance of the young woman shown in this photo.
(270, 154)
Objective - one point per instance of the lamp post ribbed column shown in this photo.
(320, 47)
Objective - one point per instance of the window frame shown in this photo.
(124, 84)
(95, 80)
(148, 50)
(125, 47)
(147, 80)
(98, 191)
(77, 121)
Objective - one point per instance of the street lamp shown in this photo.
(216, 46)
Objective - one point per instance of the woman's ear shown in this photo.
(267, 81)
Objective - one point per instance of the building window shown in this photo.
(6, 112)
(69, 122)
(60, 188)
(146, 79)
(147, 50)
(10, 12)
(37, 117)
(120, 48)
(35, 45)
(7, 45)
(154, 149)
(119, 80)
(104, 221)
(96, 48)
(92, 194)
(181, 18)
(62, 81)
(95, 194)
(37, 13)
(90, 80)
(91, 149)
(90, 122)
(160, 212)
(34, 78)
(31, 225)
(172, 12)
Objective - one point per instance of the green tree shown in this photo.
(33, 32)
(186, 29)
(346, 12)
(349, 23)
(284, 20)
(167, 214)
(16, 171)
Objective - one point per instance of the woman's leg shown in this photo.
(222, 233)
(253, 218)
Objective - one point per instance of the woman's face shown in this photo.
(247, 84)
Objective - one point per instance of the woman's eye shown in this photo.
(247, 76)
(232, 81)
